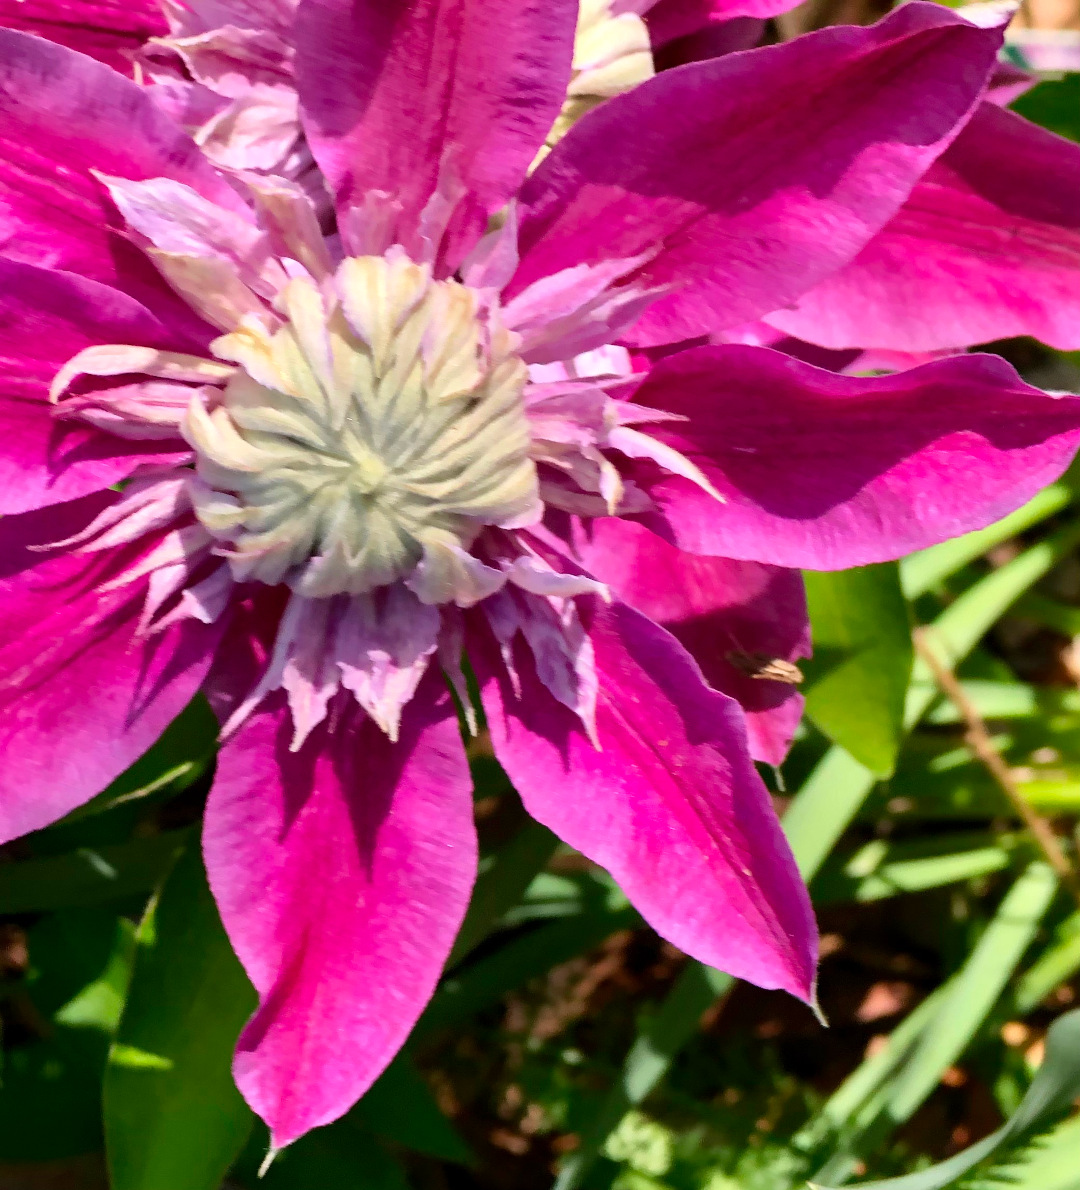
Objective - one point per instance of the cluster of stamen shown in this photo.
(378, 429)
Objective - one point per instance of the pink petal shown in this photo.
(671, 19)
(749, 178)
(718, 609)
(712, 41)
(1009, 82)
(672, 806)
(426, 99)
(45, 318)
(62, 115)
(81, 695)
(826, 471)
(980, 251)
(342, 873)
(109, 30)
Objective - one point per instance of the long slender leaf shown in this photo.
(959, 1015)
(173, 1117)
(984, 976)
(501, 884)
(1057, 963)
(882, 869)
(88, 875)
(1055, 1086)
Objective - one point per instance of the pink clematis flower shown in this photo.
(351, 459)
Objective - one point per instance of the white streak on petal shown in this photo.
(536, 577)
(181, 224)
(117, 359)
(640, 446)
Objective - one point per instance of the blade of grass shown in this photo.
(882, 869)
(1057, 963)
(88, 875)
(959, 1015)
(978, 739)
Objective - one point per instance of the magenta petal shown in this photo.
(61, 115)
(672, 805)
(749, 178)
(81, 695)
(432, 101)
(826, 471)
(342, 873)
(671, 19)
(47, 317)
(987, 247)
(720, 610)
(108, 30)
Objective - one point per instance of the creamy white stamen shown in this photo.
(612, 55)
(380, 425)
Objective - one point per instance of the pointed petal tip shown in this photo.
(271, 1156)
(815, 1007)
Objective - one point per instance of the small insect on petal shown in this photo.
(766, 668)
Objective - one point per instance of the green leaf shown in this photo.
(983, 977)
(503, 879)
(340, 1157)
(1054, 104)
(882, 869)
(88, 875)
(1057, 962)
(858, 676)
(50, 1092)
(423, 1128)
(1048, 1163)
(1055, 1086)
(825, 807)
(173, 1117)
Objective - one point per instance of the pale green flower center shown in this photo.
(382, 422)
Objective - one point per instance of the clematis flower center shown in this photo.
(378, 427)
